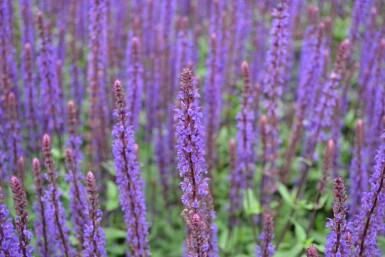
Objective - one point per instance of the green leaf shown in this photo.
(112, 195)
(285, 194)
(250, 203)
(300, 233)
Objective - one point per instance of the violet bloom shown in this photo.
(8, 64)
(13, 131)
(50, 95)
(21, 220)
(243, 175)
(274, 80)
(339, 241)
(96, 74)
(369, 222)
(266, 247)
(358, 172)
(41, 223)
(213, 88)
(128, 177)
(31, 98)
(54, 210)
(78, 202)
(9, 242)
(94, 238)
(192, 167)
(135, 82)
(322, 117)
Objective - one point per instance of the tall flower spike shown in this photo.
(52, 118)
(312, 252)
(13, 130)
(339, 241)
(135, 82)
(213, 101)
(192, 166)
(327, 167)
(54, 211)
(31, 98)
(128, 177)
(274, 81)
(78, 202)
(21, 220)
(41, 222)
(94, 238)
(74, 140)
(8, 239)
(358, 174)
(369, 222)
(266, 247)
(242, 176)
(96, 74)
(21, 169)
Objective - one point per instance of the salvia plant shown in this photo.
(195, 128)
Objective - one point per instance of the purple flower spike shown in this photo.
(13, 130)
(213, 99)
(128, 177)
(274, 81)
(31, 99)
(94, 238)
(358, 174)
(41, 223)
(369, 222)
(135, 82)
(242, 176)
(50, 92)
(21, 221)
(78, 202)
(339, 241)
(54, 212)
(9, 242)
(196, 198)
(266, 247)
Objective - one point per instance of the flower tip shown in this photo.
(46, 140)
(373, 11)
(312, 252)
(14, 181)
(345, 44)
(232, 143)
(35, 163)
(382, 43)
(27, 47)
(90, 176)
(245, 68)
(360, 123)
(331, 144)
(71, 105)
(263, 120)
(135, 42)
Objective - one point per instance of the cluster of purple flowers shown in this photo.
(264, 69)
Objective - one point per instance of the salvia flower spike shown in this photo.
(369, 222)
(21, 220)
(192, 166)
(128, 176)
(9, 240)
(339, 241)
(41, 223)
(266, 247)
(55, 212)
(94, 243)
